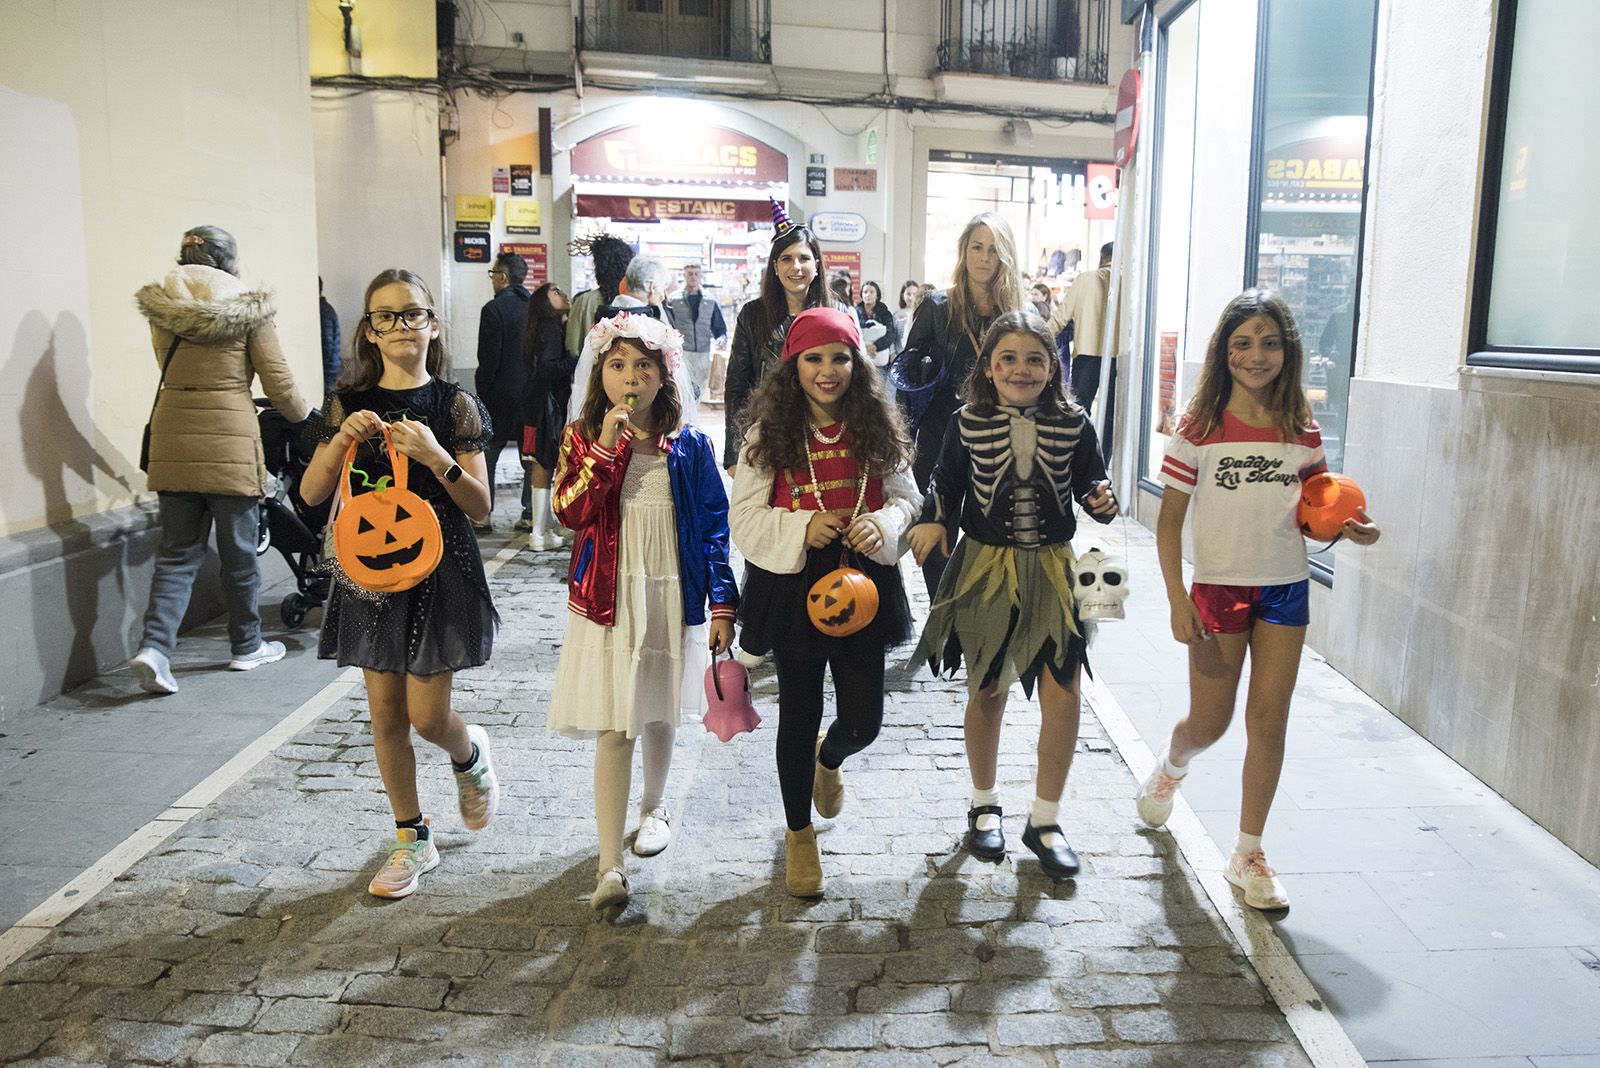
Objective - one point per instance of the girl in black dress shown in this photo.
(409, 644)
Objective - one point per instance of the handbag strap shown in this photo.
(716, 676)
(166, 363)
(397, 463)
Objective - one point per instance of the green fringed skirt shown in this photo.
(1008, 612)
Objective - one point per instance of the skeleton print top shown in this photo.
(1012, 475)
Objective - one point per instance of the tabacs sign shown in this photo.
(698, 154)
(1322, 168)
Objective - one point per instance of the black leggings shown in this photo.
(858, 690)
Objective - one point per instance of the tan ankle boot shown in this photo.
(802, 863)
(827, 787)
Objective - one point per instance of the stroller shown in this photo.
(294, 527)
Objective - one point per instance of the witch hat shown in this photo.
(781, 225)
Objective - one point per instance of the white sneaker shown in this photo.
(612, 889)
(1155, 796)
(1250, 873)
(266, 653)
(477, 789)
(655, 831)
(154, 671)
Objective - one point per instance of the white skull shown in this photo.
(1100, 585)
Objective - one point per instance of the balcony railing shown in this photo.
(738, 30)
(1053, 40)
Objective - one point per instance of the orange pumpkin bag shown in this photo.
(386, 539)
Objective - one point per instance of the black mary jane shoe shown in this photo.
(985, 845)
(1058, 863)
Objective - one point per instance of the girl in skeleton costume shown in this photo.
(1237, 460)
(1014, 461)
(826, 467)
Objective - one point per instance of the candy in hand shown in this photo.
(630, 399)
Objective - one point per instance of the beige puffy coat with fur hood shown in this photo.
(204, 437)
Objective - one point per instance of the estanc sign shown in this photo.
(838, 226)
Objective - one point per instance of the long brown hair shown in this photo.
(365, 365)
(1291, 413)
(978, 390)
(879, 440)
(1005, 291)
(665, 411)
(774, 301)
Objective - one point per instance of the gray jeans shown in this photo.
(698, 364)
(185, 527)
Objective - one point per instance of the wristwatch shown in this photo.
(454, 474)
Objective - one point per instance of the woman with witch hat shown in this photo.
(791, 283)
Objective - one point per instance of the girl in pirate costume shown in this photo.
(1014, 461)
(826, 467)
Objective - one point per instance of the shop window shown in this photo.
(1309, 184)
(1537, 299)
(1057, 40)
(1045, 202)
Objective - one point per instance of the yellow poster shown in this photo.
(474, 212)
(522, 215)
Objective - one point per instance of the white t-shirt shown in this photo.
(1244, 482)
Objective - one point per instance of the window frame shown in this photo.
(1321, 568)
(1480, 353)
(1156, 138)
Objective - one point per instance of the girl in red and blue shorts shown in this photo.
(1236, 460)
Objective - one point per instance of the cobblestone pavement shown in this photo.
(248, 937)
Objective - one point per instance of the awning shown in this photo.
(650, 202)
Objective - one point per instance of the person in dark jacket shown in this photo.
(946, 333)
(791, 283)
(500, 378)
(548, 370)
(332, 362)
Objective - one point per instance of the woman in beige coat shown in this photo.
(205, 444)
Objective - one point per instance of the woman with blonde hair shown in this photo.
(945, 334)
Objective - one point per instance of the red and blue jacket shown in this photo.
(587, 498)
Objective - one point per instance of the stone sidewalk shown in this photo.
(248, 937)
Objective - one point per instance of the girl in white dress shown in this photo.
(647, 503)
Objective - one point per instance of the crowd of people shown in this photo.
(951, 428)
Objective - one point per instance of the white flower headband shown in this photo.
(652, 333)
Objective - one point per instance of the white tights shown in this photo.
(613, 778)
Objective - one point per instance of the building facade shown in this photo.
(1392, 169)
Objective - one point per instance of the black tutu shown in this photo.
(772, 608)
(444, 623)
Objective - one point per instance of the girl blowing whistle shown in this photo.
(646, 500)
(826, 467)
(1014, 461)
(410, 644)
(1250, 572)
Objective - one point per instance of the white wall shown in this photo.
(141, 121)
(378, 204)
(1224, 103)
(1429, 86)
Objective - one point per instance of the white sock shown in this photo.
(988, 821)
(541, 511)
(1248, 843)
(1044, 814)
(1176, 771)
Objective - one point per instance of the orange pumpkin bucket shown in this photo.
(842, 602)
(1326, 501)
(386, 539)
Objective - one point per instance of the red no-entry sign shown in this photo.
(1127, 129)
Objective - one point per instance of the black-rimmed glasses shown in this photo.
(383, 322)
